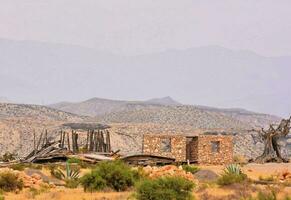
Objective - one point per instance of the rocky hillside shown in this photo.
(36, 112)
(175, 115)
(166, 110)
(129, 121)
(18, 122)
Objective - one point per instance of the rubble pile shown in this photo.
(169, 170)
(34, 181)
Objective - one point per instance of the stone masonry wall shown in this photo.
(152, 144)
(224, 154)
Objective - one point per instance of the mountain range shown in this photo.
(42, 73)
(166, 110)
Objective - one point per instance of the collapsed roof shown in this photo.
(86, 126)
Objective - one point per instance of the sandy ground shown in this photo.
(254, 171)
(69, 194)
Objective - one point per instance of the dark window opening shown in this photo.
(215, 146)
(166, 145)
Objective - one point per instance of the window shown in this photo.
(166, 145)
(215, 146)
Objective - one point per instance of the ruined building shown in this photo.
(201, 149)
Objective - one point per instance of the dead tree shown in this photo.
(271, 138)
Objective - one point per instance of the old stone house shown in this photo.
(201, 149)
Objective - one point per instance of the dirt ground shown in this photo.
(254, 171)
(69, 194)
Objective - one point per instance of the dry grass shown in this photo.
(208, 191)
(69, 194)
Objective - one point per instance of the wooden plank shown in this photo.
(68, 141)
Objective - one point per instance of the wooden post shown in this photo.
(76, 142)
(68, 141)
(91, 141)
(95, 141)
(108, 141)
(63, 141)
(39, 141)
(73, 142)
(87, 140)
(98, 141)
(46, 137)
(103, 148)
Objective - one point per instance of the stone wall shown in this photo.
(224, 155)
(152, 144)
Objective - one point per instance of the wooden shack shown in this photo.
(201, 149)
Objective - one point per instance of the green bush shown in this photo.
(74, 160)
(115, 174)
(232, 174)
(19, 167)
(8, 157)
(22, 166)
(10, 182)
(267, 196)
(267, 178)
(191, 169)
(93, 182)
(166, 188)
(33, 166)
(72, 183)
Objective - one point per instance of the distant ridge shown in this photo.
(166, 110)
(99, 106)
(163, 101)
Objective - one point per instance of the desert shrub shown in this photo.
(232, 174)
(9, 181)
(116, 175)
(139, 174)
(166, 188)
(8, 157)
(19, 167)
(22, 166)
(93, 182)
(80, 163)
(72, 183)
(190, 168)
(267, 195)
(33, 166)
(267, 178)
(74, 160)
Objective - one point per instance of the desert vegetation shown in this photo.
(117, 180)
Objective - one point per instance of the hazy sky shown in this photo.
(144, 26)
(214, 76)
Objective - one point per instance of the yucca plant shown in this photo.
(232, 174)
(70, 173)
(233, 169)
